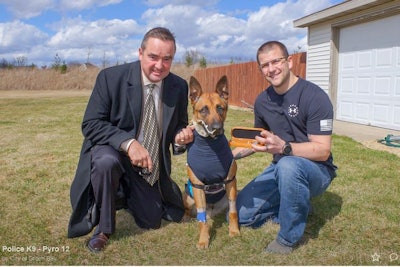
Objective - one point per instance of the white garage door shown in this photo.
(369, 73)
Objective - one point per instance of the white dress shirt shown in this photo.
(157, 100)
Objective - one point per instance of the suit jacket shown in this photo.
(112, 116)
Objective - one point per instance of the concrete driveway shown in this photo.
(367, 135)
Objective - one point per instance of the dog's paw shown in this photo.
(234, 230)
(202, 245)
(204, 238)
(233, 224)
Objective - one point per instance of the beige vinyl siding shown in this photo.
(318, 56)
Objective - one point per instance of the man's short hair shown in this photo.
(265, 47)
(159, 33)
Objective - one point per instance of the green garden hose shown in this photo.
(390, 140)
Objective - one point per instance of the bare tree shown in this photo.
(105, 61)
(88, 54)
(21, 61)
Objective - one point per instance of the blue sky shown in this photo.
(110, 31)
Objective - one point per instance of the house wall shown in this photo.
(319, 56)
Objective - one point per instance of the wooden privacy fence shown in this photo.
(245, 80)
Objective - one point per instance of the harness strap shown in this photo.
(216, 187)
(213, 188)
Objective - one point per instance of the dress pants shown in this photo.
(108, 173)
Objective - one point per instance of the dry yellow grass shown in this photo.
(49, 79)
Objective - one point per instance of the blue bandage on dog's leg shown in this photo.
(201, 215)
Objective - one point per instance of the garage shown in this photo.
(354, 55)
(369, 73)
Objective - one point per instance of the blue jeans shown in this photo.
(282, 193)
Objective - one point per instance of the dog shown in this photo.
(210, 164)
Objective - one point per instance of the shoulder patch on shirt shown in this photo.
(326, 125)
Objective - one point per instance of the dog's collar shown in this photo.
(202, 129)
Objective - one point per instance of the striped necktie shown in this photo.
(151, 138)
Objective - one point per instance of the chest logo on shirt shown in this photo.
(293, 110)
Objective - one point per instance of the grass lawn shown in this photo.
(356, 222)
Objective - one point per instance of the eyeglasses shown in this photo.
(275, 62)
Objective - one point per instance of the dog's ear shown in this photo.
(194, 89)
(222, 88)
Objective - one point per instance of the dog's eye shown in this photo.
(204, 110)
(220, 110)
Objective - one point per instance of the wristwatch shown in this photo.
(287, 149)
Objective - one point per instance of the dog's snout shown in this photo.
(216, 128)
(216, 125)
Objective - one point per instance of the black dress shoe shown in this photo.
(98, 242)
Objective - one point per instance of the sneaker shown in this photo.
(277, 248)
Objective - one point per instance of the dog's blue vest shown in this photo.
(210, 160)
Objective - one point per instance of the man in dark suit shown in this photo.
(114, 160)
